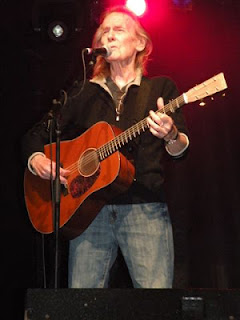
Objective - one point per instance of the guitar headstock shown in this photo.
(206, 88)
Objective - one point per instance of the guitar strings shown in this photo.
(114, 144)
(105, 150)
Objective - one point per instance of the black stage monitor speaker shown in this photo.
(132, 304)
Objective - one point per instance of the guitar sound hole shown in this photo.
(88, 163)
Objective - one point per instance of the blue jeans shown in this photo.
(144, 234)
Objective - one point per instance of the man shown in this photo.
(137, 221)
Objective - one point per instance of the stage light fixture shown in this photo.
(137, 6)
(58, 31)
(58, 20)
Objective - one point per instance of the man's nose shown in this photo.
(111, 35)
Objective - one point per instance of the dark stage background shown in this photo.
(190, 46)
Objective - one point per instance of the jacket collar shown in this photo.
(102, 81)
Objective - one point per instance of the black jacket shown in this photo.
(95, 104)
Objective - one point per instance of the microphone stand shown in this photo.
(56, 196)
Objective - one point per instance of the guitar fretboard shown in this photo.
(123, 138)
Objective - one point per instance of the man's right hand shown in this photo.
(43, 167)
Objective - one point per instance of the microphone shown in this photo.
(103, 51)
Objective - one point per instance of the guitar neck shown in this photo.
(123, 138)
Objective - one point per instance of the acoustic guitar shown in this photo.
(98, 170)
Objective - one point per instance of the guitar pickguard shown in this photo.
(80, 184)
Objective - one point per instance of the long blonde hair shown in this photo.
(102, 67)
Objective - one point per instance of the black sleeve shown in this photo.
(35, 139)
(40, 134)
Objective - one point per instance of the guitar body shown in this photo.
(90, 185)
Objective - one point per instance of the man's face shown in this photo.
(118, 33)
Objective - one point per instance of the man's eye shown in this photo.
(105, 31)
